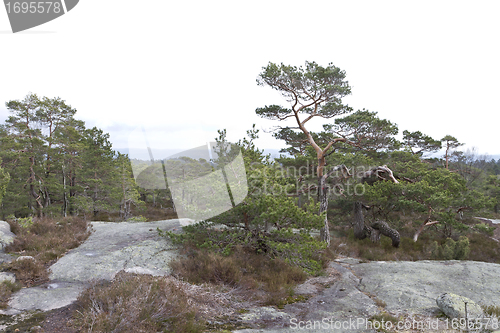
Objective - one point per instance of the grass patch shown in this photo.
(491, 310)
(379, 321)
(137, 303)
(6, 290)
(46, 240)
(272, 279)
(290, 300)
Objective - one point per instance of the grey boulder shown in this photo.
(6, 236)
(454, 306)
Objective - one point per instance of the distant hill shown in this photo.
(495, 157)
(173, 153)
(143, 154)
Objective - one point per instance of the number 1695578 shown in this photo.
(33, 7)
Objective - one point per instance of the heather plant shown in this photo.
(45, 240)
(137, 303)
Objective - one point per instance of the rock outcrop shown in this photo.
(130, 246)
(351, 291)
(455, 306)
(406, 290)
(6, 236)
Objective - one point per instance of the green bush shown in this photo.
(139, 218)
(483, 227)
(25, 222)
(451, 250)
(296, 248)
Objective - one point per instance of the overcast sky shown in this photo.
(184, 69)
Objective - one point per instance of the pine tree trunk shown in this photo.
(385, 230)
(359, 221)
(323, 202)
(65, 195)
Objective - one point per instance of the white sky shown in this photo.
(184, 69)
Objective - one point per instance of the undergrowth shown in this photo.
(39, 242)
(137, 303)
(475, 246)
(266, 280)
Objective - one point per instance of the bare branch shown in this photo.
(425, 224)
(381, 169)
(342, 167)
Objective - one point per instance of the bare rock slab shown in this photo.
(413, 287)
(45, 298)
(118, 246)
(112, 247)
(341, 307)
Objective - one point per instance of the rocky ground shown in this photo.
(341, 301)
(405, 290)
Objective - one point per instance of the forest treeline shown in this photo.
(51, 164)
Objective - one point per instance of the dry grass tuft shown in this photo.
(268, 280)
(6, 290)
(29, 272)
(46, 240)
(137, 303)
(492, 310)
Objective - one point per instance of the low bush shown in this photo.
(137, 303)
(299, 249)
(139, 218)
(484, 248)
(29, 272)
(451, 249)
(272, 279)
(430, 245)
(491, 310)
(484, 228)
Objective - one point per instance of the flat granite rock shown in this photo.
(45, 298)
(342, 307)
(412, 287)
(131, 246)
(118, 246)
(400, 287)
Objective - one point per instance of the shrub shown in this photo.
(137, 303)
(25, 222)
(296, 248)
(6, 289)
(29, 272)
(450, 250)
(250, 271)
(139, 218)
(491, 310)
(482, 227)
(484, 248)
